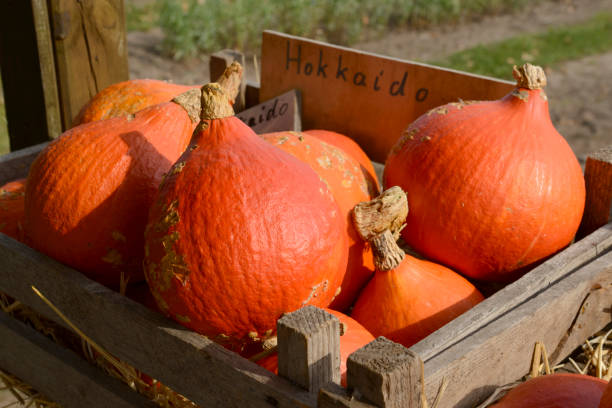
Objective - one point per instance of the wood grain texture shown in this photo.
(367, 97)
(538, 279)
(23, 82)
(282, 113)
(16, 165)
(334, 396)
(187, 362)
(386, 373)
(223, 59)
(598, 180)
(90, 50)
(59, 373)
(309, 348)
(500, 352)
(47, 67)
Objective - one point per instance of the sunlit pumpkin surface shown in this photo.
(12, 209)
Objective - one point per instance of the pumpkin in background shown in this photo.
(493, 187)
(555, 391)
(350, 147)
(606, 398)
(343, 176)
(354, 336)
(408, 298)
(11, 209)
(241, 232)
(89, 191)
(128, 97)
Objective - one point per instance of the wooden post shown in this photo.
(387, 374)
(221, 60)
(309, 348)
(598, 179)
(28, 73)
(90, 50)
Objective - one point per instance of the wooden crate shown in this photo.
(560, 303)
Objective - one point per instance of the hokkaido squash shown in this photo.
(606, 398)
(555, 391)
(493, 187)
(350, 147)
(240, 233)
(354, 336)
(342, 175)
(408, 298)
(128, 97)
(89, 191)
(11, 209)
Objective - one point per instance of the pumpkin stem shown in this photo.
(529, 76)
(215, 96)
(191, 101)
(379, 222)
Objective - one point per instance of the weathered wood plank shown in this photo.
(309, 348)
(334, 396)
(556, 268)
(386, 374)
(21, 65)
(17, 164)
(218, 62)
(90, 50)
(47, 67)
(367, 97)
(598, 179)
(59, 373)
(187, 362)
(282, 113)
(500, 352)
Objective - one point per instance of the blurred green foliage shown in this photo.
(200, 26)
(591, 37)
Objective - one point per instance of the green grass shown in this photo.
(202, 26)
(141, 18)
(560, 44)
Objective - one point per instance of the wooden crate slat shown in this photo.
(500, 352)
(90, 50)
(540, 278)
(58, 373)
(368, 97)
(598, 180)
(187, 362)
(17, 164)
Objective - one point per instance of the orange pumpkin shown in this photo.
(342, 175)
(350, 147)
(241, 232)
(493, 187)
(408, 298)
(353, 338)
(89, 191)
(11, 209)
(127, 97)
(606, 398)
(555, 391)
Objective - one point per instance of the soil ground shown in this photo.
(580, 92)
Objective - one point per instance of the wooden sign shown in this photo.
(275, 115)
(368, 97)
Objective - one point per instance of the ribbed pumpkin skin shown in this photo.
(342, 175)
(241, 232)
(492, 186)
(90, 190)
(11, 209)
(555, 391)
(355, 336)
(408, 303)
(128, 97)
(349, 146)
(606, 399)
